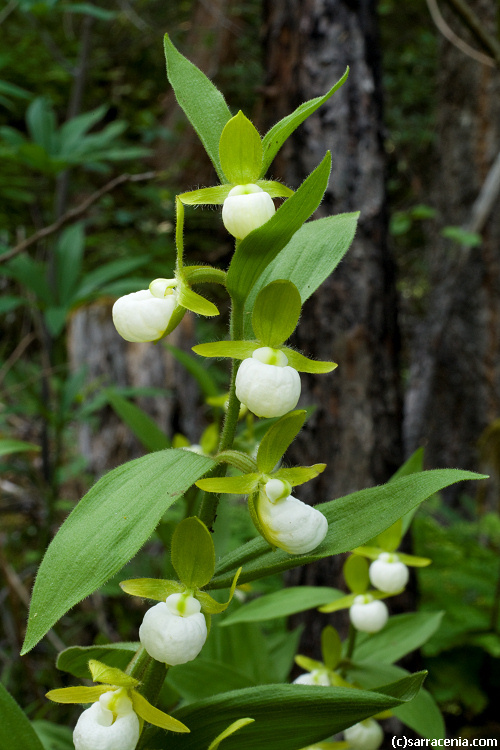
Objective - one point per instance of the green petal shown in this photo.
(232, 728)
(212, 196)
(195, 302)
(277, 439)
(112, 675)
(276, 313)
(193, 553)
(304, 364)
(151, 588)
(331, 647)
(78, 694)
(304, 662)
(211, 606)
(240, 151)
(275, 189)
(230, 485)
(355, 572)
(299, 474)
(233, 349)
(153, 715)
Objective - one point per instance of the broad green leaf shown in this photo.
(256, 251)
(231, 729)
(41, 122)
(233, 349)
(287, 717)
(299, 474)
(276, 313)
(199, 372)
(304, 364)
(412, 465)
(151, 588)
(401, 635)
(78, 694)
(240, 151)
(212, 196)
(203, 678)
(110, 675)
(278, 438)
(16, 446)
(195, 302)
(352, 519)
(144, 428)
(193, 553)
(15, 728)
(75, 660)
(275, 138)
(331, 647)
(105, 530)
(355, 572)
(308, 259)
(242, 485)
(281, 604)
(203, 104)
(421, 713)
(149, 713)
(53, 736)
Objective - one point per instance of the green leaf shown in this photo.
(240, 151)
(193, 553)
(304, 364)
(299, 474)
(90, 10)
(69, 256)
(231, 729)
(351, 520)
(281, 604)
(10, 302)
(276, 313)
(212, 196)
(204, 678)
(462, 236)
(275, 138)
(105, 530)
(242, 485)
(309, 258)
(8, 446)
(233, 349)
(355, 572)
(75, 660)
(256, 251)
(151, 588)
(141, 424)
(278, 438)
(195, 302)
(331, 647)
(287, 717)
(15, 729)
(401, 635)
(53, 736)
(203, 104)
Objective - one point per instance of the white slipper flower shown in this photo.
(266, 384)
(368, 614)
(246, 208)
(316, 677)
(174, 631)
(289, 523)
(109, 724)
(145, 315)
(388, 573)
(367, 735)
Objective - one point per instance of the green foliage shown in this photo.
(240, 151)
(15, 729)
(193, 553)
(276, 313)
(282, 603)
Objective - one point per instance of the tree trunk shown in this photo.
(352, 318)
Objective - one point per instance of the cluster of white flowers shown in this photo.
(174, 631)
(109, 724)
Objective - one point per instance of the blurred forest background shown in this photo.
(93, 150)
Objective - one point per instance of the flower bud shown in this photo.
(367, 735)
(246, 208)
(388, 573)
(316, 677)
(368, 614)
(145, 315)
(269, 388)
(174, 631)
(109, 724)
(290, 524)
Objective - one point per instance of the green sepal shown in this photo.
(204, 275)
(303, 364)
(331, 647)
(193, 553)
(299, 474)
(111, 675)
(337, 681)
(355, 572)
(238, 459)
(231, 729)
(346, 601)
(277, 439)
(275, 189)
(211, 606)
(253, 500)
(156, 589)
(373, 553)
(240, 151)
(78, 694)
(390, 539)
(304, 662)
(230, 485)
(233, 349)
(209, 439)
(212, 196)
(276, 313)
(174, 321)
(152, 715)
(195, 302)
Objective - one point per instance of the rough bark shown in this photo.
(352, 318)
(454, 384)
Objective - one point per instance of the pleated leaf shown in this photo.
(281, 604)
(75, 660)
(15, 728)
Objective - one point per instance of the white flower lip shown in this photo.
(173, 634)
(98, 729)
(388, 574)
(142, 316)
(367, 735)
(316, 677)
(267, 390)
(291, 525)
(367, 614)
(247, 207)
